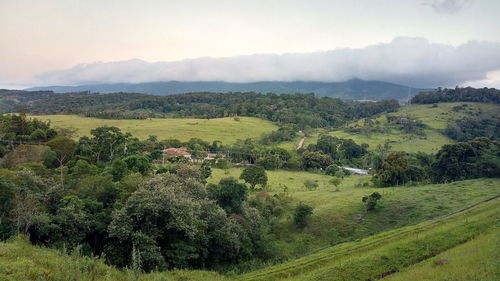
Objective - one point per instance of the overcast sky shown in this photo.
(417, 42)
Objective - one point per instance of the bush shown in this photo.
(371, 201)
(332, 170)
(310, 184)
(38, 135)
(302, 213)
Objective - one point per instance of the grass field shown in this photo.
(344, 213)
(226, 130)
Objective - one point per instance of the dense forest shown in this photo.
(468, 94)
(300, 109)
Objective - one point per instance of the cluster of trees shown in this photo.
(285, 133)
(488, 95)
(464, 160)
(407, 125)
(468, 129)
(18, 128)
(104, 193)
(330, 150)
(300, 109)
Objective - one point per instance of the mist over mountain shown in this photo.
(353, 89)
(411, 61)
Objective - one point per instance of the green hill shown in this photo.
(340, 215)
(377, 131)
(381, 255)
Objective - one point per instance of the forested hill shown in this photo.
(353, 89)
(301, 109)
(468, 94)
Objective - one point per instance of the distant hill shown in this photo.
(353, 89)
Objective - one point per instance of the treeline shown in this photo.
(468, 94)
(460, 161)
(301, 109)
(468, 129)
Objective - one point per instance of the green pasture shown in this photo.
(227, 130)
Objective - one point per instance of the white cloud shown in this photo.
(405, 60)
(446, 6)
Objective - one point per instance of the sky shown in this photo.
(421, 43)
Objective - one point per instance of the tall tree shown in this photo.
(64, 148)
(254, 175)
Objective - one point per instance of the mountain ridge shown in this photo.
(354, 89)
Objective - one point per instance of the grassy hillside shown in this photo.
(389, 252)
(226, 130)
(19, 260)
(465, 240)
(435, 119)
(474, 260)
(344, 214)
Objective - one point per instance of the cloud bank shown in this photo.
(446, 6)
(406, 60)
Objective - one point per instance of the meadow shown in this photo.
(227, 130)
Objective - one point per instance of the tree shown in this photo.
(301, 214)
(6, 202)
(64, 148)
(119, 169)
(316, 160)
(371, 200)
(137, 164)
(38, 135)
(25, 212)
(106, 142)
(170, 224)
(229, 194)
(206, 169)
(392, 170)
(335, 181)
(254, 175)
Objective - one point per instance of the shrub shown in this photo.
(310, 184)
(331, 170)
(371, 201)
(301, 214)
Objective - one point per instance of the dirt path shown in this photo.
(301, 143)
